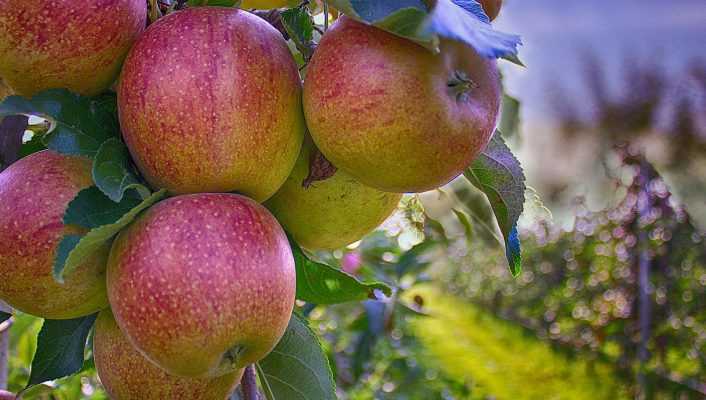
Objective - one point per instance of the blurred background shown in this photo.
(611, 304)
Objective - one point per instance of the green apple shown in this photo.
(34, 193)
(332, 213)
(128, 375)
(216, 109)
(395, 115)
(203, 284)
(77, 45)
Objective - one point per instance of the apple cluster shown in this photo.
(211, 103)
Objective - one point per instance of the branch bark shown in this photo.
(249, 384)
(4, 346)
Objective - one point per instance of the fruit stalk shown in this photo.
(249, 384)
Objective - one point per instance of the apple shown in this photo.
(5, 395)
(203, 284)
(77, 45)
(127, 375)
(332, 213)
(394, 115)
(491, 7)
(34, 193)
(217, 109)
(267, 4)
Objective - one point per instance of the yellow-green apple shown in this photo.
(77, 45)
(203, 284)
(394, 115)
(34, 193)
(332, 213)
(217, 109)
(491, 7)
(128, 375)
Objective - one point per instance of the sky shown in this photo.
(557, 35)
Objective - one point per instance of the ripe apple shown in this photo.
(332, 213)
(34, 193)
(394, 115)
(78, 45)
(267, 4)
(491, 7)
(5, 395)
(127, 375)
(203, 284)
(218, 109)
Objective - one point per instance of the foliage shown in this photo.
(581, 288)
(83, 126)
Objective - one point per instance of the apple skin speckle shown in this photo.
(380, 108)
(77, 45)
(201, 118)
(198, 275)
(126, 374)
(34, 193)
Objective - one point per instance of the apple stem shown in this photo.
(248, 384)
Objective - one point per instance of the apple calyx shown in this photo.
(460, 85)
(230, 361)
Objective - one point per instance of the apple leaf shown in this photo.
(4, 316)
(66, 245)
(60, 349)
(300, 28)
(92, 209)
(410, 262)
(113, 172)
(297, 368)
(510, 116)
(498, 174)
(319, 283)
(98, 237)
(462, 20)
(79, 125)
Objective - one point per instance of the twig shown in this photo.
(249, 384)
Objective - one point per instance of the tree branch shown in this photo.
(249, 384)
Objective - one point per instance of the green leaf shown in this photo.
(60, 349)
(465, 221)
(297, 369)
(112, 171)
(410, 263)
(323, 284)
(510, 116)
(414, 20)
(96, 238)
(91, 208)
(34, 145)
(67, 244)
(4, 316)
(300, 27)
(498, 174)
(79, 125)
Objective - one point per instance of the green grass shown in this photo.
(500, 360)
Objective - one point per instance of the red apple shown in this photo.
(127, 375)
(203, 284)
(394, 115)
(4, 395)
(217, 108)
(78, 45)
(491, 7)
(34, 193)
(332, 213)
